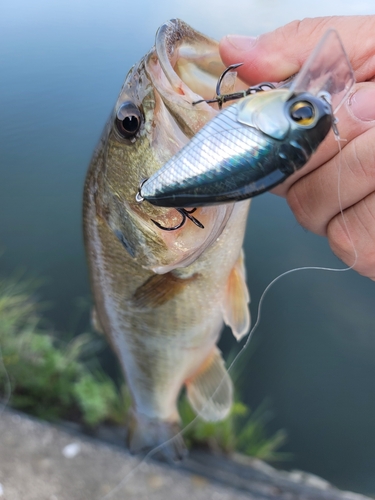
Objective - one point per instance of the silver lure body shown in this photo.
(244, 151)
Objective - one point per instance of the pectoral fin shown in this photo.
(159, 289)
(235, 308)
(210, 391)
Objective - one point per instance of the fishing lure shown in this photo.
(256, 143)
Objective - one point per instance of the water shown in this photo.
(62, 65)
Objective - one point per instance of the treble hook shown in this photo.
(220, 99)
(186, 214)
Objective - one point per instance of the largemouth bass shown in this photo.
(161, 297)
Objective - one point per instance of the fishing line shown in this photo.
(152, 452)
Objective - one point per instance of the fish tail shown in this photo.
(146, 434)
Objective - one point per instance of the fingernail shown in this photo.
(241, 42)
(362, 103)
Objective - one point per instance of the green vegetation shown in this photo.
(52, 380)
(46, 377)
(243, 431)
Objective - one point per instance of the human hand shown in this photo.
(312, 192)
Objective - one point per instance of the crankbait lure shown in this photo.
(255, 144)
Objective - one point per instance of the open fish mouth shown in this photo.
(187, 55)
(191, 66)
(183, 67)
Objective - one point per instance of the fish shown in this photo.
(255, 144)
(161, 298)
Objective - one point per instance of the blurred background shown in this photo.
(62, 65)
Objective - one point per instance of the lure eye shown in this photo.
(303, 113)
(128, 120)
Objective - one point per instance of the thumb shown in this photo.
(279, 54)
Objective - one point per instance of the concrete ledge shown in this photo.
(39, 461)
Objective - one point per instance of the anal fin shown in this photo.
(235, 307)
(210, 390)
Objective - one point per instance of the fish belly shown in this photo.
(159, 348)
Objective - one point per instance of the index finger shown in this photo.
(277, 55)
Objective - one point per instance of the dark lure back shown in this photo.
(257, 143)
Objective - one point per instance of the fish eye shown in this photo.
(302, 112)
(128, 120)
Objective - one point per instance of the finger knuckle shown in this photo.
(296, 199)
(339, 239)
(303, 29)
(350, 248)
(296, 205)
(360, 157)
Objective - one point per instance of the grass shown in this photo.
(243, 431)
(55, 380)
(49, 378)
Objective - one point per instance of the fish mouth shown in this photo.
(183, 67)
(190, 66)
(189, 56)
